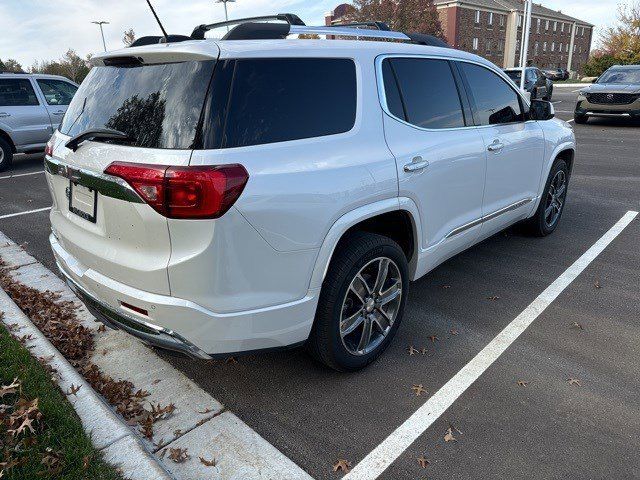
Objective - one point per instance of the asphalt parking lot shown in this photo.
(523, 417)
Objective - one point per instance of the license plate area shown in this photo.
(83, 201)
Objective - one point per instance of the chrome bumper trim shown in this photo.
(147, 332)
(486, 218)
(596, 114)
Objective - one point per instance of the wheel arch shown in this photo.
(5, 136)
(395, 218)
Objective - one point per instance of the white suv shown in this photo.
(257, 192)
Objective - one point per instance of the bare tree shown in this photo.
(129, 37)
(70, 65)
(418, 16)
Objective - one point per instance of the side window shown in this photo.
(493, 101)
(17, 92)
(281, 99)
(57, 92)
(428, 91)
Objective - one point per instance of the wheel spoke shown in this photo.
(385, 318)
(548, 211)
(561, 190)
(359, 288)
(348, 325)
(383, 269)
(390, 294)
(366, 333)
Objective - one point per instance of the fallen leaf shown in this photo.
(205, 411)
(231, 360)
(494, 297)
(433, 338)
(73, 390)
(155, 382)
(597, 284)
(102, 328)
(448, 437)
(85, 462)
(574, 381)
(577, 325)
(423, 462)
(208, 463)
(178, 455)
(419, 390)
(522, 383)
(423, 351)
(10, 389)
(453, 331)
(446, 286)
(342, 466)
(413, 350)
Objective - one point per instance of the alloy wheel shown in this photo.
(370, 306)
(555, 198)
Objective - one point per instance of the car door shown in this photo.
(57, 95)
(22, 115)
(439, 157)
(514, 147)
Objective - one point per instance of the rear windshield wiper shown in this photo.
(97, 134)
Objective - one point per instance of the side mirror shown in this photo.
(541, 110)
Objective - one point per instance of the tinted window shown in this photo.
(493, 100)
(17, 92)
(391, 92)
(275, 100)
(157, 105)
(57, 92)
(429, 92)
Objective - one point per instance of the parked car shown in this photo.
(31, 107)
(216, 197)
(616, 93)
(535, 82)
(556, 74)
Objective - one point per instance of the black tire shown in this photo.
(581, 119)
(354, 253)
(6, 154)
(539, 225)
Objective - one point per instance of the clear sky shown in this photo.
(43, 29)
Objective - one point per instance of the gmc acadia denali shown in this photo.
(261, 191)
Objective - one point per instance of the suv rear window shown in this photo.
(157, 105)
(267, 100)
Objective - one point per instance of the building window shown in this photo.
(538, 26)
(546, 25)
(544, 47)
(566, 49)
(488, 47)
(475, 44)
(553, 46)
(490, 22)
(555, 26)
(536, 48)
(560, 47)
(502, 20)
(582, 32)
(519, 20)
(477, 16)
(562, 27)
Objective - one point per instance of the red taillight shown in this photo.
(184, 192)
(48, 150)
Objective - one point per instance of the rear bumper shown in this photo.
(184, 326)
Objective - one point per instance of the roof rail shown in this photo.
(378, 25)
(290, 18)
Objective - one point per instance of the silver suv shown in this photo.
(31, 107)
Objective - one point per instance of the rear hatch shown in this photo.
(154, 95)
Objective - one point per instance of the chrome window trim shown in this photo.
(490, 216)
(382, 97)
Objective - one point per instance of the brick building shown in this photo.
(493, 29)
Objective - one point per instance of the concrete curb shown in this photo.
(108, 432)
(200, 424)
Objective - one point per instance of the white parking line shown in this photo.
(571, 120)
(392, 447)
(556, 102)
(24, 213)
(21, 174)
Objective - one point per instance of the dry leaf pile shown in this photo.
(57, 320)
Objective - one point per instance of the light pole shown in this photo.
(226, 14)
(100, 23)
(525, 40)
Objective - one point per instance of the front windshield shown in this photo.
(621, 76)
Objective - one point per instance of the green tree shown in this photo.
(70, 65)
(11, 65)
(418, 16)
(620, 44)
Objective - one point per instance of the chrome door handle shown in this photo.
(417, 164)
(58, 113)
(4, 114)
(496, 146)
